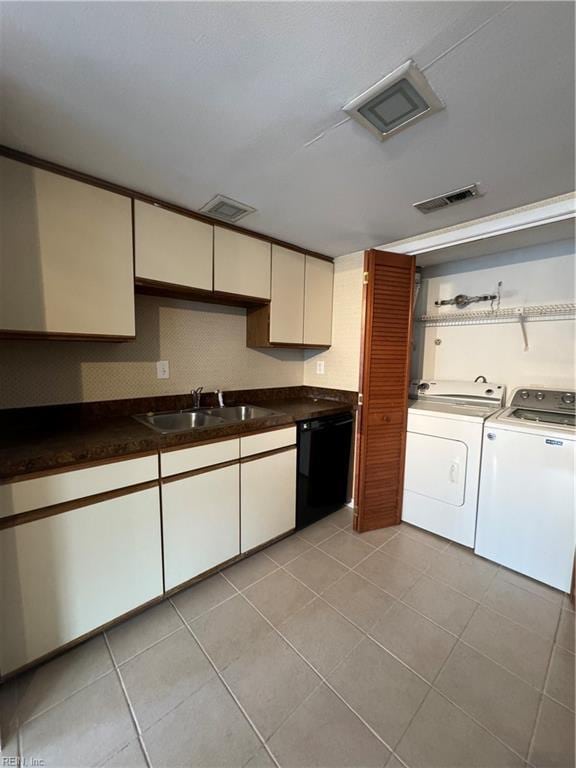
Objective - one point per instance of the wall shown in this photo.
(536, 275)
(342, 360)
(204, 344)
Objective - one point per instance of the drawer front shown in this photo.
(267, 441)
(39, 492)
(189, 459)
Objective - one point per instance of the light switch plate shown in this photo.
(320, 367)
(162, 369)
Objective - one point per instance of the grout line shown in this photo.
(320, 675)
(130, 707)
(229, 689)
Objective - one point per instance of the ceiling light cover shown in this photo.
(398, 100)
(226, 209)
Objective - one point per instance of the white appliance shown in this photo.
(527, 505)
(443, 449)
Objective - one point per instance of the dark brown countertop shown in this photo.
(42, 439)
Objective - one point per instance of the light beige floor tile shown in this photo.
(561, 681)
(349, 550)
(229, 630)
(321, 635)
(54, 681)
(467, 575)
(270, 681)
(565, 636)
(142, 631)
(260, 760)
(395, 762)
(130, 756)
(83, 730)
(376, 537)
(567, 604)
(536, 587)
(164, 675)
(279, 596)
(413, 639)
(441, 736)
(516, 648)
(522, 606)
(553, 745)
(425, 537)
(287, 549)
(318, 532)
(251, 569)
(500, 701)
(442, 604)
(324, 733)
(342, 518)
(207, 729)
(358, 599)
(203, 596)
(389, 573)
(410, 551)
(316, 569)
(383, 691)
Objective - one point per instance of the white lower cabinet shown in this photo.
(268, 498)
(65, 575)
(201, 523)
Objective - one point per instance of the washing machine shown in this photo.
(443, 453)
(526, 512)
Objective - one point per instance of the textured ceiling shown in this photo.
(187, 100)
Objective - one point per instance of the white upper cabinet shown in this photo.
(65, 256)
(241, 264)
(172, 248)
(287, 299)
(318, 301)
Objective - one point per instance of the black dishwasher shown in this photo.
(324, 449)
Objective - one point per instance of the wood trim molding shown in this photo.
(148, 287)
(199, 471)
(265, 454)
(8, 335)
(68, 506)
(46, 165)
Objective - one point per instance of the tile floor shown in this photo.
(392, 648)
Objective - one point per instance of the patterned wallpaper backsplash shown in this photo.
(204, 344)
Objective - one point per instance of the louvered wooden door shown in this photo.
(384, 381)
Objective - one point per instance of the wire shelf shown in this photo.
(509, 314)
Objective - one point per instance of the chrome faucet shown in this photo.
(196, 394)
(220, 395)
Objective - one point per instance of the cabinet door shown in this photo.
(65, 575)
(268, 498)
(171, 248)
(318, 301)
(65, 255)
(287, 299)
(241, 264)
(201, 523)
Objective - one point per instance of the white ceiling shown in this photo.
(187, 100)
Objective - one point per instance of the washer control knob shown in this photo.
(568, 398)
(489, 392)
(540, 395)
(524, 394)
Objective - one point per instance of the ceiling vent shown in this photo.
(226, 209)
(450, 198)
(398, 100)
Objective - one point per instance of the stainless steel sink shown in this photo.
(185, 421)
(179, 421)
(240, 412)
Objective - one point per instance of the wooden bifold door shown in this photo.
(384, 382)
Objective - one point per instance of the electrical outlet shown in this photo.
(320, 367)
(162, 369)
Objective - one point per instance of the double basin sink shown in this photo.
(197, 418)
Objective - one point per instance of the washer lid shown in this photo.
(537, 422)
